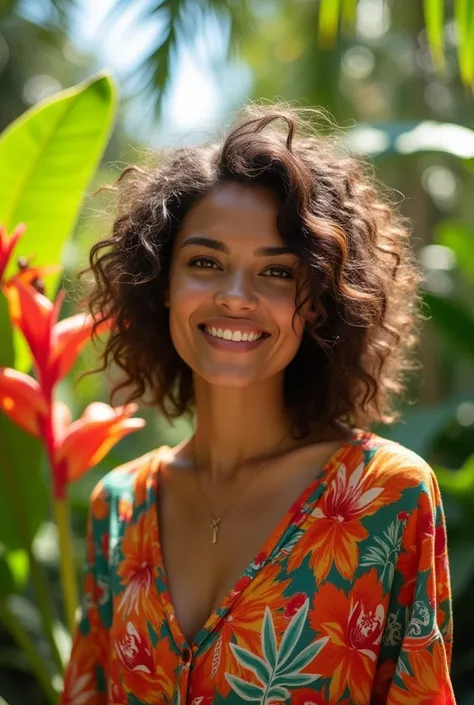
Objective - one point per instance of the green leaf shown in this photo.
(13, 571)
(252, 662)
(269, 645)
(434, 20)
(329, 11)
(454, 320)
(7, 352)
(47, 159)
(7, 581)
(464, 22)
(296, 680)
(458, 482)
(292, 634)
(461, 563)
(459, 238)
(304, 658)
(24, 501)
(247, 691)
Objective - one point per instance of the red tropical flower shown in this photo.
(54, 345)
(80, 445)
(22, 400)
(7, 244)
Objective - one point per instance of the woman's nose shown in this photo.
(237, 292)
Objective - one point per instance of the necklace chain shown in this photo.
(215, 523)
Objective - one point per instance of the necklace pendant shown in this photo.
(215, 528)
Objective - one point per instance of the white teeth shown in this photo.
(236, 336)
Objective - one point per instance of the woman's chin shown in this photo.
(231, 379)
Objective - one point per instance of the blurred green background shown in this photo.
(183, 66)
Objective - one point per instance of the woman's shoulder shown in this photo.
(384, 462)
(128, 481)
(388, 461)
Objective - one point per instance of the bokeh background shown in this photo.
(183, 67)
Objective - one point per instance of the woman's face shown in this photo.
(232, 289)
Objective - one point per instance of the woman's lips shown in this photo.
(232, 345)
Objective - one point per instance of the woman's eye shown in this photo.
(203, 263)
(279, 272)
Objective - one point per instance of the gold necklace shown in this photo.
(215, 523)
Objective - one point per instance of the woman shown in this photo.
(284, 553)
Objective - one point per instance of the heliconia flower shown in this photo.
(7, 243)
(31, 275)
(22, 400)
(82, 444)
(54, 345)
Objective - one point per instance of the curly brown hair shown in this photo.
(333, 213)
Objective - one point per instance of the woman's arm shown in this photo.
(86, 674)
(419, 627)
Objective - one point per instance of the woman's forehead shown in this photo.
(235, 213)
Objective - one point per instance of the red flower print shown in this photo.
(134, 652)
(242, 584)
(299, 517)
(440, 540)
(402, 516)
(104, 544)
(296, 602)
(259, 559)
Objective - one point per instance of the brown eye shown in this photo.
(203, 263)
(279, 273)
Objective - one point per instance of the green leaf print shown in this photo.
(269, 645)
(253, 662)
(277, 693)
(247, 691)
(277, 671)
(292, 634)
(304, 657)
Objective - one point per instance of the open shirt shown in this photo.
(348, 601)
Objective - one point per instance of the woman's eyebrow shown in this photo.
(271, 251)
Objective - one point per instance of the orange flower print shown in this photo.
(337, 527)
(138, 572)
(79, 685)
(429, 684)
(242, 625)
(354, 625)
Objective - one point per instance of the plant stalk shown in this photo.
(67, 568)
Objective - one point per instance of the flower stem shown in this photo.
(22, 638)
(67, 568)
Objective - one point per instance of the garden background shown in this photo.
(396, 76)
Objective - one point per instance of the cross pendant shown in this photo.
(215, 528)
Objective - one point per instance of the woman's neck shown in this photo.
(236, 425)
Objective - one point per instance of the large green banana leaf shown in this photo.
(47, 160)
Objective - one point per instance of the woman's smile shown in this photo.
(232, 336)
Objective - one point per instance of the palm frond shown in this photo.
(177, 24)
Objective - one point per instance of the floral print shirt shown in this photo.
(348, 602)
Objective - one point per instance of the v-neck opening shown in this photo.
(253, 568)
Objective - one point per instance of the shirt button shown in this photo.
(186, 655)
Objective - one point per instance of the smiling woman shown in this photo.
(285, 552)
